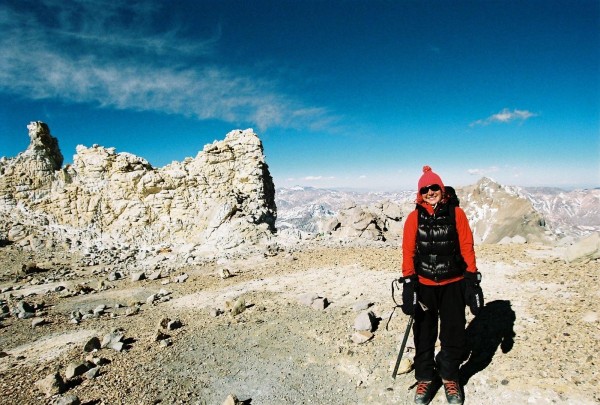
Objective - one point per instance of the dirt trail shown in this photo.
(534, 343)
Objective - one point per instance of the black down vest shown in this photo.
(437, 247)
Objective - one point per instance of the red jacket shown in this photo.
(465, 238)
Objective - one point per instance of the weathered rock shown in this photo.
(361, 336)
(220, 200)
(405, 365)
(308, 298)
(175, 324)
(364, 321)
(361, 306)
(92, 344)
(236, 307)
(585, 249)
(51, 385)
(320, 303)
(92, 373)
(231, 400)
(75, 369)
(113, 341)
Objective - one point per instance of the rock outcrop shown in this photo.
(221, 199)
(378, 221)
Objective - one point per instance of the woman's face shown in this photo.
(431, 194)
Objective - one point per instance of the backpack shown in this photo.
(453, 201)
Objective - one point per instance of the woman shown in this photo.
(439, 277)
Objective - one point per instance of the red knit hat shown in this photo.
(428, 178)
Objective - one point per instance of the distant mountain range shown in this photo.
(497, 213)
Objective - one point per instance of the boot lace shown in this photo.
(452, 388)
(422, 387)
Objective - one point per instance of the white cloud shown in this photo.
(318, 178)
(92, 56)
(483, 171)
(505, 116)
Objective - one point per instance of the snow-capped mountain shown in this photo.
(496, 213)
(303, 207)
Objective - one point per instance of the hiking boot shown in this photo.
(425, 392)
(454, 394)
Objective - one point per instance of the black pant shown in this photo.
(447, 304)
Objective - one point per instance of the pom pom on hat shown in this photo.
(429, 177)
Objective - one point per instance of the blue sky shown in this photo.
(353, 94)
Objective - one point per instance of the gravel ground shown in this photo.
(534, 343)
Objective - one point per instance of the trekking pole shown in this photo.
(410, 322)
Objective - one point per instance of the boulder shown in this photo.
(585, 249)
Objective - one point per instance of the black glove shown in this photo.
(473, 292)
(409, 294)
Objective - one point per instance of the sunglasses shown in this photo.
(433, 187)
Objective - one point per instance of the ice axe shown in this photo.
(410, 322)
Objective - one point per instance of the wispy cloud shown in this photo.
(505, 116)
(483, 171)
(318, 178)
(89, 53)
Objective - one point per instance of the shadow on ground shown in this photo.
(493, 327)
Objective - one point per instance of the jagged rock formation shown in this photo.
(221, 199)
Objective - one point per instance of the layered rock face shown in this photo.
(221, 199)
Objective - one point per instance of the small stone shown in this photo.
(405, 366)
(92, 373)
(237, 307)
(37, 322)
(155, 275)
(112, 341)
(92, 344)
(320, 303)
(99, 310)
(174, 324)
(132, 311)
(361, 306)
(75, 369)
(362, 336)
(181, 278)
(160, 336)
(150, 300)
(224, 273)
(137, 276)
(214, 312)
(165, 342)
(364, 321)
(231, 400)
(51, 385)
(308, 298)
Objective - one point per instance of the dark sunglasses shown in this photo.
(433, 187)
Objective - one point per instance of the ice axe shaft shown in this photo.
(410, 322)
